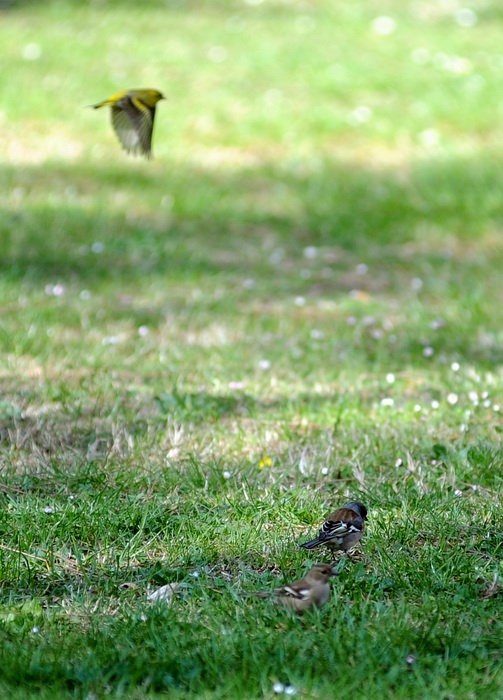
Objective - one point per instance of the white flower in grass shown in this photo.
(452, 399)
(324, 471)
(48, 510)
(435, 404)
(399, 462)
(376, 333)
(458, 492)
(387, 402)
(278, 688)
(429, 138)
(290, 690)
(236, 385)
(226, 475)
(264, 365)
(195, 574)
(390, 378)
(473, 396)
(32, 52)
(360, 115)
(463, 427)
(455, 366)
(317, 334)
(97, 247)
(35, 630)
(143, 331)
(410, 659)
(465, 17)
(276, 256)
(310, 252)
(496, 407)
(299, 301)
(428, 351)
(384, 26)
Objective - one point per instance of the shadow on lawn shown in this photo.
(91, 224)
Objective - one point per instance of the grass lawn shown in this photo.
(297, 301)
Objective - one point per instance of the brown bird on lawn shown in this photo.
(312, 590)
(342, 529)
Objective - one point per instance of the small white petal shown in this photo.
(390, 378)
(278, 688)
(32, 52)
(387, 402)
(452, 399)
(300, 301)
(455, 366)
(226, 475)
(384, 26)
(465, 17)
(310, 252)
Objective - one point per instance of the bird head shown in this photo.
(358, 508)
(321, 572)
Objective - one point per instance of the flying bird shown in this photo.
(312, 590)
(342, 529)
(133, 113)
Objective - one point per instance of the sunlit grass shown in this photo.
(297, 300)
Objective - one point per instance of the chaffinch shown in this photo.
(342, 529)
(312, 590)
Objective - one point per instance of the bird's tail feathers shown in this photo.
(312, 544)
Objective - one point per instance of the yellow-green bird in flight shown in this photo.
(133, 113)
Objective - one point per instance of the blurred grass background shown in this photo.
(308, 270)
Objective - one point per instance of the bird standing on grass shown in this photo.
(342, 529)
(133, 113)
(313, 590)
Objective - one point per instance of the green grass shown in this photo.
(308, 270)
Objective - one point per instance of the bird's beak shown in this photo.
(334, 572)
